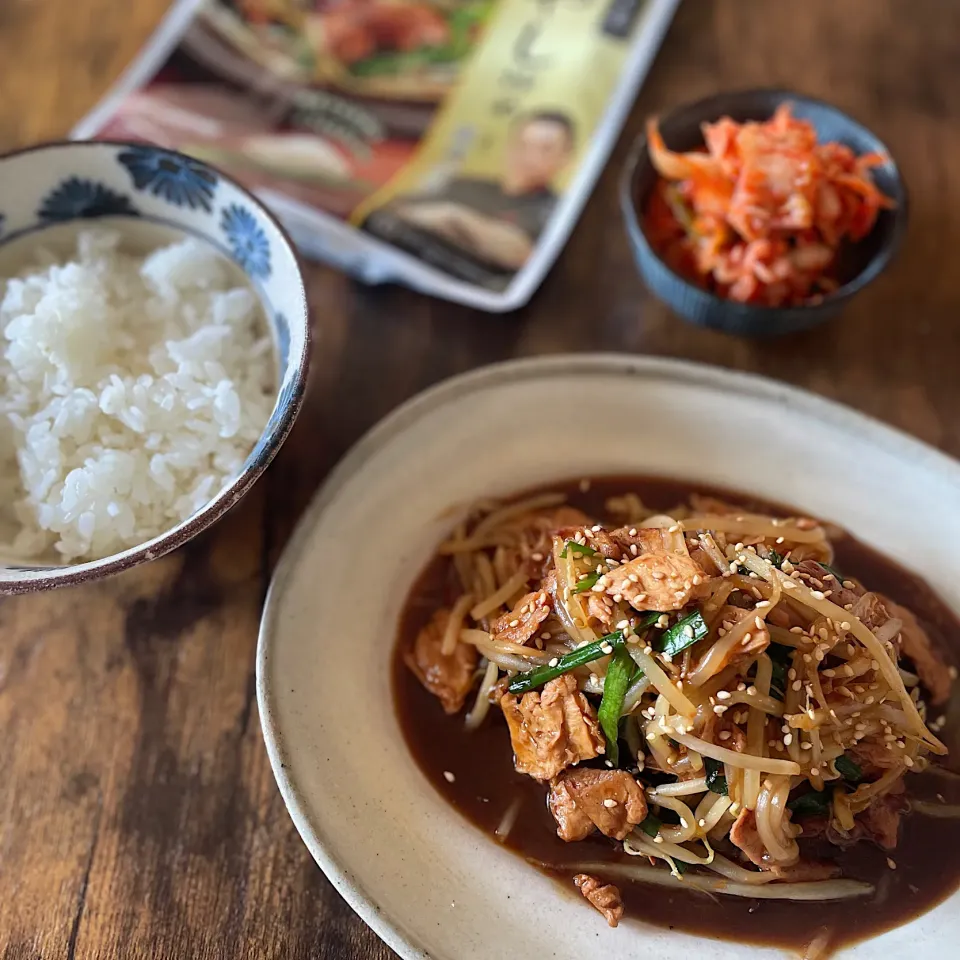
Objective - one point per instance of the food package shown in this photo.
(445, 144)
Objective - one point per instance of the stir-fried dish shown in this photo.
(759, 216)
(702, 687)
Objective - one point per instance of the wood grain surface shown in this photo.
(138, 814)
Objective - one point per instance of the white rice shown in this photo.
(133, 390)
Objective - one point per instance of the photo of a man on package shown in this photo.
(498, 221)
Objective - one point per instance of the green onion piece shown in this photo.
(816, 803)
(615, 685)
(580, 548)
(586, 583)
(570, 661)
(848, 769)
(716, 781)
(826, 566)
(680, 867)
(651, 826)
(775, 558)
(684, 633)
(781, 658)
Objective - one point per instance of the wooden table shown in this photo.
(138, 814)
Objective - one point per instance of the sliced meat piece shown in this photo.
(785, 615)
(715, 724)
(874, 758)
(551, 729)
(645, 539)
(522, 622)
(655, 581)
(880, 822)
(932, 669)
(819, 578)
(609, 800)
(599, 607)
(751, 645)
(744, 834)
(605, 544)
(871, 610)
(449, 678)
(604, 897)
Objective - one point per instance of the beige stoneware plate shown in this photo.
(426, 880)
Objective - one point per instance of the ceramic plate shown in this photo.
(427, 881)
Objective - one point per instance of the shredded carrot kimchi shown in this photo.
(759, 215)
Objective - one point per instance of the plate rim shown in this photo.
(830, 412)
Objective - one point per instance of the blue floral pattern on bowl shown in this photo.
(153, 196)
(174, 177)
(76, 198)
(247, 241)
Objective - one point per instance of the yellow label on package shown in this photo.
(483, 186)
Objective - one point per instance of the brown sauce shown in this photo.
(486, 784)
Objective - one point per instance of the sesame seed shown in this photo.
(741, 687)
(697, 580)
(448, 776)
(908, 761)
(546, 635)
(747, 637)
(796, 630)
(752, 690)
(688, 631)
(814, 771)
(720, 710)
(701, 823)
(790, 585)
(891, 863)
(779, 539)
(658, 839)
(596, 528)
(791, 674)
(723, 694)
(844, 624)
(674, 528)
(787, 739)
(759, 622)
(610, 803)
(797, 686)
(648, 650)
(633, 531)
(875, 664)
(514, 623)
(633, 549)
(725, 734)
(536, 556)
(733, 567)
(830, 673)
(806, 746)
(623, 624)
(606, 648)
(817, 594)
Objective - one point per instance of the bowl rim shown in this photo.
(876, 265)
(39, 578)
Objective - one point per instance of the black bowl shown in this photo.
(859, 262)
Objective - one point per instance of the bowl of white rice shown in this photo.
(154, 340)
